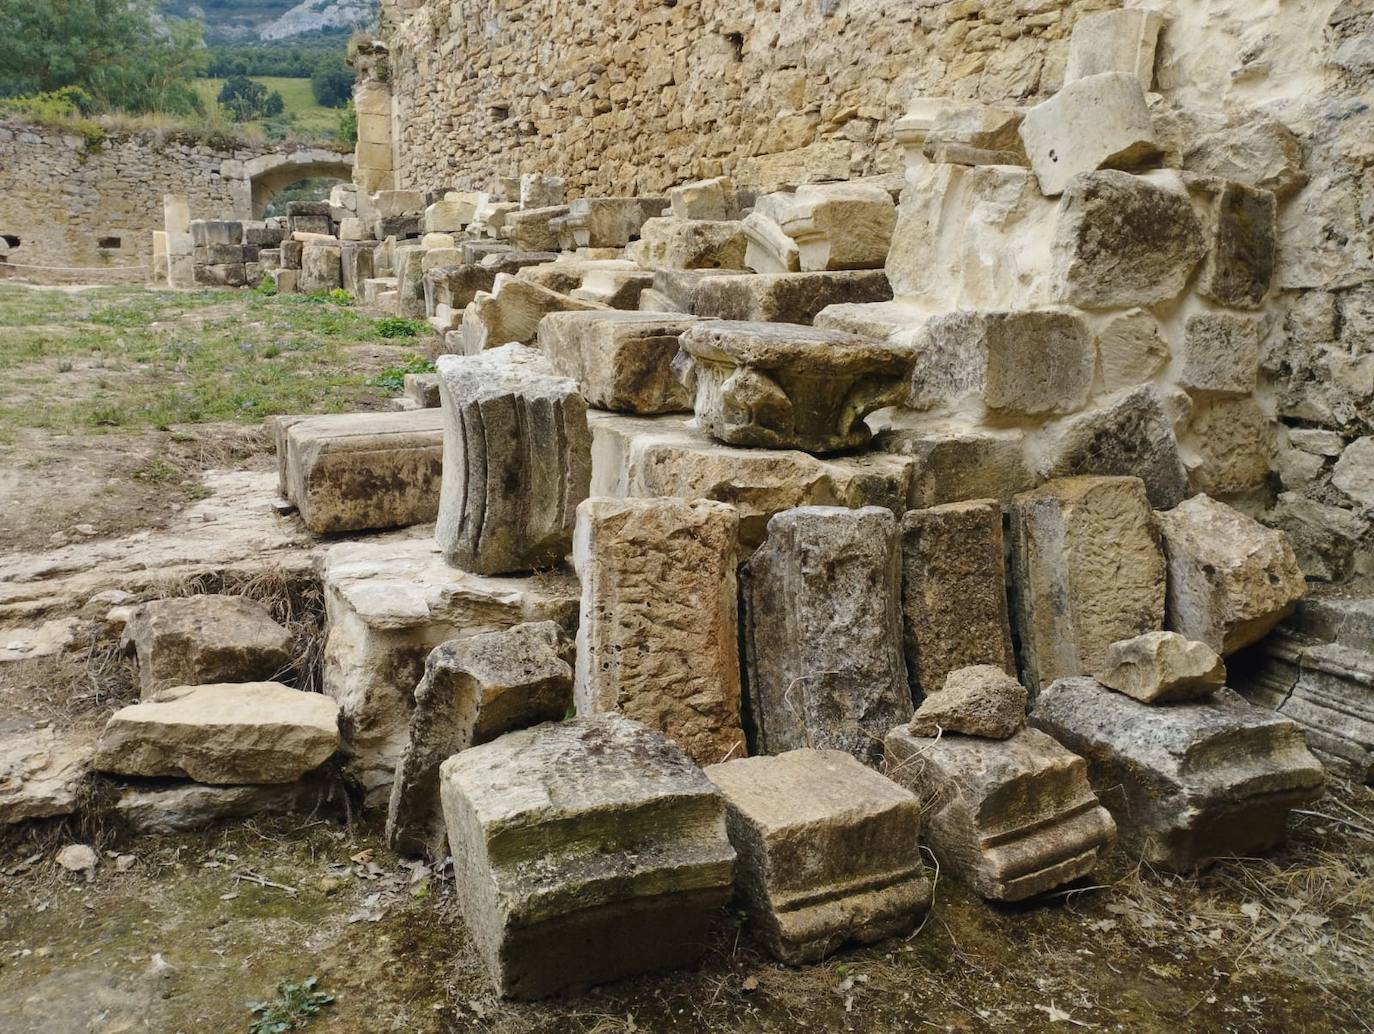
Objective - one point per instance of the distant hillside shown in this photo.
(245, 20)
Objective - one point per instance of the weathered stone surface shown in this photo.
(1317, 668)
(635, 456)
(954, 592)
(1241, 144)
(1130, 350)
(1189, 782)
(584, 851)
(227, 733)
(473, 691)
(980, 700)
(785, 298)
(978, 133)
(622, 361)
(538, 190)
(1221, 353)
(825, 851)
(681, 286)
(822, 632)
(533, 229)
(356, 471)
(672, 243)
(1125, 240)
(1096, 122)
(1161, 667)
(610, 222)
(456, 286)
(841, 226)
(1115, 41)
(192, 640)
(321, 267)
(657, 639)
(1353, 473)
(953, 464)
(1325, 539)
(988, 225)
(768, 248)
(41, 772)
(777, 386)
(1087, 571)
(188, 806)
(1233, 442)
(355, 265)
(1241, 258)
(705, 199)
(388, 605)
(1231, 579)
(1010, 818)
(452, 212)
(616, 286)
(1130, 435)
(511, 313)
(1024, 363)
(517, 461)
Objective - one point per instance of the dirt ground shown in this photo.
(182, 933)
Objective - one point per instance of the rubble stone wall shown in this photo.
(63, 196)
(632, 96)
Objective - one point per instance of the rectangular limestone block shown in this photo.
(786, 297)
(473, 690)
(321, 267)
(512, 312)
(584, 851)
(361, 471)
(622, 361)
(388, 605)
(827, 852)
(642, 456)
(1189, 782)
(532, 229)
(954, 592)
(951, 464)
(822, 632)
(705, 199)
(658, 635)
(840, 225)
(610, 222)
(1010, 818)
(1098, 122)
(673, 243)
(516, 461)
(1087, 571)
(1115, 41)
(1231, 579)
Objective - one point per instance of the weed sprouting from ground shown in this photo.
(295, 1006)
(393, 378)
(400, 326)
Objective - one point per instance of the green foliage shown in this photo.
(393, 378)
(62, 107)
(332, 82)
(246, 100)
(400, 326)
(296, 1005)
(124, 54)
(267, 287)
(348, 124)
(293, 58)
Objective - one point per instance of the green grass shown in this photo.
(132, 358)
(302, 112)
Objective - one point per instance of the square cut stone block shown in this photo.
(584, 851)
(822, 632)
(1087, 571)
(778, 386)
(361, 471)
(1190, 782)
(827, 851)
(622, 361)
(784, 297)
(388, 605)
(658, 637)
(1010, 818)
(672, 243)
(841, 225)
(473, 691)
(1115, 41)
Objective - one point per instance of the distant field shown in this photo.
(306, 115)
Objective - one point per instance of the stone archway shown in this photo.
(269, 174)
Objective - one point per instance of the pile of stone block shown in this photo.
(229, 253)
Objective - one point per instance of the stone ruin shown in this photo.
(776, 534)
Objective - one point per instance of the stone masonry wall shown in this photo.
(633, 96)
(62, 196)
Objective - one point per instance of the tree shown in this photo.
(244, 99)
(275, 105)
(332, 82)
(124, 53)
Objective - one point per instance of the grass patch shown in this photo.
(302, 112)
(296, 1004)
(393, 378)
(400, 326)
(132, 358)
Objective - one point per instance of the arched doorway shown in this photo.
(273, 173)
